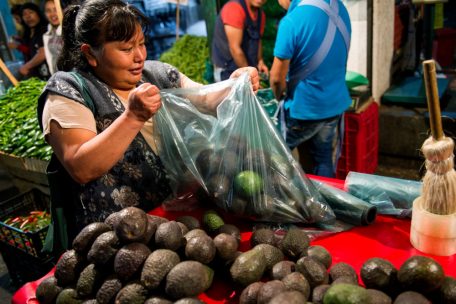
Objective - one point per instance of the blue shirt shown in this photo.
(323, 93)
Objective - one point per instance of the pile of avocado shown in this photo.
(259, 182)
(285, 268)
(134, 257)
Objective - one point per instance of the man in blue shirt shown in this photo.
(308, 73)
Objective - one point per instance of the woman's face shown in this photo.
(51, 13)
(30, 17)
(120, 63)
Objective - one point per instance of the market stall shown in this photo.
(388, 238)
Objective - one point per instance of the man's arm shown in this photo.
(234, 36)
(36, 60)
(262, 67)
(277, 77)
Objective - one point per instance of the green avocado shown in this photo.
(248, 184)
(48, 290)
(157, 266)
(68, 296)
(188, 279)
(248, 267)
(346, 294)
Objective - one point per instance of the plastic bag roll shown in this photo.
(347, 207)
(392, 196)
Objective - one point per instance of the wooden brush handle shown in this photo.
(432, 95)
(8, 73)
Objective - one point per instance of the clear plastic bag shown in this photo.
(234, 156)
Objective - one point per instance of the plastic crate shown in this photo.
(28, 242)
(360, 146)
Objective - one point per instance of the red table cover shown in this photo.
(387, 238)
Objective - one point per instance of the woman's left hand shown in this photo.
(254, 76)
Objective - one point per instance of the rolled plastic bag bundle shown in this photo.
(392, 196)
(347, 207)
(232, 157)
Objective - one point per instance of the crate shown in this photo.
(30, 243)
(360, 146)
(23, 267)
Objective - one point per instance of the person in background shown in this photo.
(308, 74)
(17, 41)
(96, 114)
(237, 38)
(52, 39)
(34, 27)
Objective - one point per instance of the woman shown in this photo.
(52, 39)
(35, 26)
(97, 118)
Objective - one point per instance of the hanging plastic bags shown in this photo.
(218, 140)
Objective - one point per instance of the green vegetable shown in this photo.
(189, 55)
(20, 134)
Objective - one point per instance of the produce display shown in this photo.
(134, 257)
(32, 222)
(20, 134)
(189, 55)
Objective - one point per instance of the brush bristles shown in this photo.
(439, 182)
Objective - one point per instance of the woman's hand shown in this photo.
(143, 102)
(254, 77)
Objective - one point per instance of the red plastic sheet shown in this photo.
(387, 238)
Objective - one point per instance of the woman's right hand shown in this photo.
(143, 102)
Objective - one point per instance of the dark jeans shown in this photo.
(320, 135)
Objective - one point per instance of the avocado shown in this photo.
(157, 300)
(219, 187)
(256, 160)
(248, 267)
(132, 293)
(204, 160)
(190, 221)
(380, 274)
(346, 294)
(248, 184)
(68, 296)
(104, 248)
(230, 162)
(296, 281)
(112, 219)
(169, 236)
(344, 280)
(314, 271)
(157, 266)
(269, 290)
(288, 297)
(183, 228)
(47, 290)
(150, 230)
(262, 207)
(212, 221)
(193, 233)
(420, 273)
(448, 290)
(129, 260)
(318, 293)
(272, 255)
(89, 281)
(226, 246)
(108, 290)
(87, 235)
(237, 144)
(189, 301)
(68, 268)
(231, 230)
(249, 294)
(281, 165)
(282, 269)
(378, 297)
(411, 297)
(262, 236)
(295, 243)
(343, 269)
(320, 254)
(131, 224)
(238, 206)
(188, 279)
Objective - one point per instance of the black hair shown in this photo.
(96, 22)
(41, 26)
(16, 10)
